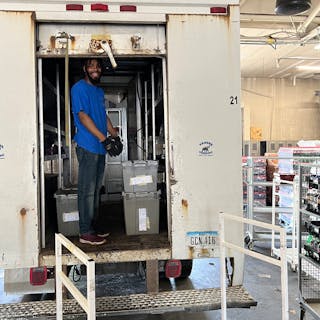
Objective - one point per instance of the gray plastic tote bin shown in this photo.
(141, 211)
(140, 176)
(67, 212)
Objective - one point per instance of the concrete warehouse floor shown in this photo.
(262, 281)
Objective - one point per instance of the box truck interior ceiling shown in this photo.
(134, 102)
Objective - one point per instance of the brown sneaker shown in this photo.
(91, 239)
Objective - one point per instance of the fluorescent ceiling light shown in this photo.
(311, 68)
(317, 46)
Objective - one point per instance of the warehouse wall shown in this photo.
(283, 110)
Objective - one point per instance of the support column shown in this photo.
(152, 276)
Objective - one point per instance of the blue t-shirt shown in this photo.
(89, 99)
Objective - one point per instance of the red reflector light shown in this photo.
(74, 7)
(128, 8)
(173, 268)
(221, 10)
(99, 7)
(38, 276)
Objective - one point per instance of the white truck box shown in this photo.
(187, 56)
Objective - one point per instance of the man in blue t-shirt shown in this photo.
(92, 125)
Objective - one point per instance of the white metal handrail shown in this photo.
(88, 304)
(282, 263)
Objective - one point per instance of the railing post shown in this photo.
(88, 303)
(58, 250)
(282, 263)
(250, 193)
(91, 292)
(284, 275)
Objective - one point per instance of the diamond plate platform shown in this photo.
(168, 301)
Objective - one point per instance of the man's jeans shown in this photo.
(91, 170)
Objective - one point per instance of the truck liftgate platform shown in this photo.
(168, 301)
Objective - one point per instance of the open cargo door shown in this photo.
(204, 131)
(18, 152)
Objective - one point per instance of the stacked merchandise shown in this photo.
(244, 183)
(312, 244)
(259, 175)
(140, 197)
(288, 168)
(310, 201)
(310, 190)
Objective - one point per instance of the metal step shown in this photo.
(168, 301)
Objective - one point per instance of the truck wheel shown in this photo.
(186, 268)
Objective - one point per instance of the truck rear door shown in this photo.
(18, 132)
(204, 129)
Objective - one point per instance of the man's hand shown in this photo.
(108, 144)
(113, 146)
(118, 146)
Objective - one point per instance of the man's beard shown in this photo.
(92, 80)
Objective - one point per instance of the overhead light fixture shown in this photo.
(308, 68)
(317, 46)
(292, 7)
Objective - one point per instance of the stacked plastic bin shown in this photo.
(67, 211)
(140, 197)
(259, 175)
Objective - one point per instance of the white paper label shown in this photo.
(143, 219)
(140, 180)
(70, 216)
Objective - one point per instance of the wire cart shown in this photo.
(309, 240)
(256, 208)
(289, 220)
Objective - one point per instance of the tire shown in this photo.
(186, 268)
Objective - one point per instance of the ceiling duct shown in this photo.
(292, 7)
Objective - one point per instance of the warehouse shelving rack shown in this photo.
(258, 212)
(292, 247)
(309, 240)
(262, 212)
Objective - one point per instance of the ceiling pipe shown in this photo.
(250, 17)
(297, 58)
(269, 41)
(312, 34)
(311, 38)
(278, 73)
(303, 27)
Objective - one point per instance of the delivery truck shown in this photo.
(171, 78)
